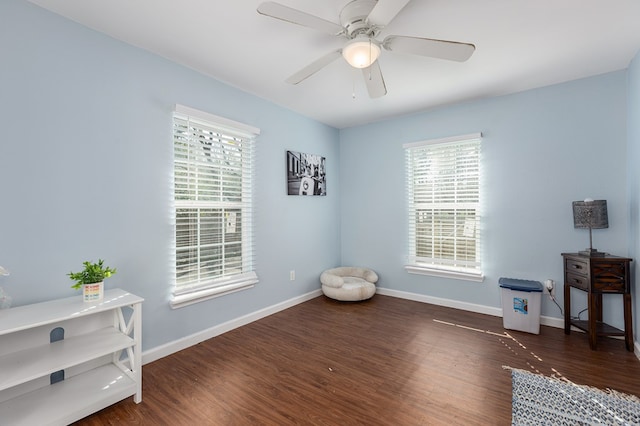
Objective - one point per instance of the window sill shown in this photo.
(248, 281)
(445, 273)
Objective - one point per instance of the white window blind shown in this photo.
(213, 170)
(443, 184)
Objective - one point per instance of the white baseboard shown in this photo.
(465, 306)
(481, 309)
(183, 343)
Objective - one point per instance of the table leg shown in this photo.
(593, 319)
(567, 309)
(628, 327)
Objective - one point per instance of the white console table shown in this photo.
(99, 358)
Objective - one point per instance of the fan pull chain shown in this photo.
(370, 63)
(353, 92)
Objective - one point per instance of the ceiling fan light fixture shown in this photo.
(361, 52)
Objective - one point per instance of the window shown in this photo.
(443, 183)
(212, 195)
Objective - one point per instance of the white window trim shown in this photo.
(221, 122)
(413, 265)
(223, 285)
(444, 273)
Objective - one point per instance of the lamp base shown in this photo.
(591, 252)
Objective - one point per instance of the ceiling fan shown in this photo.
(361, 21)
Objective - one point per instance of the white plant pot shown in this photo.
(93, 292)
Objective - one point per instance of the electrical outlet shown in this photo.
(292, 275)
(550, 287)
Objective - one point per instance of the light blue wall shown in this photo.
(85, 165)
(633, 123)
(85, 168)
(542, 149)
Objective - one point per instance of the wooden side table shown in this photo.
(597, 276)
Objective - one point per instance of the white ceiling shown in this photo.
(520, 44)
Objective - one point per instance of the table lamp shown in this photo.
(590, 214)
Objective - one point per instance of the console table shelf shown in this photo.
(96, 358)
(69, 400)
(602, 329)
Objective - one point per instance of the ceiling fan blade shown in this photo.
(314, 67)
(374, 81)
(285, 13)
(442, 49)
(384, 11)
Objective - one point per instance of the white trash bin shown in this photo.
(521, 301)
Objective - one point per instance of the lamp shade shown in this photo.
(361, 52)
(590, 214)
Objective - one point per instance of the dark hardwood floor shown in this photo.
(386, 361)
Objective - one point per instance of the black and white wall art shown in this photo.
(305, 174)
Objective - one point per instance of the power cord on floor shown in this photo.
(579, 313)
(559, 307)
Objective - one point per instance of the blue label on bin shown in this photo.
(520, 305)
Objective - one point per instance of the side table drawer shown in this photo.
(609, 278)
(616, 287)
(577, 267)
(578, 281)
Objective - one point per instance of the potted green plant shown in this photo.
(91, 280)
